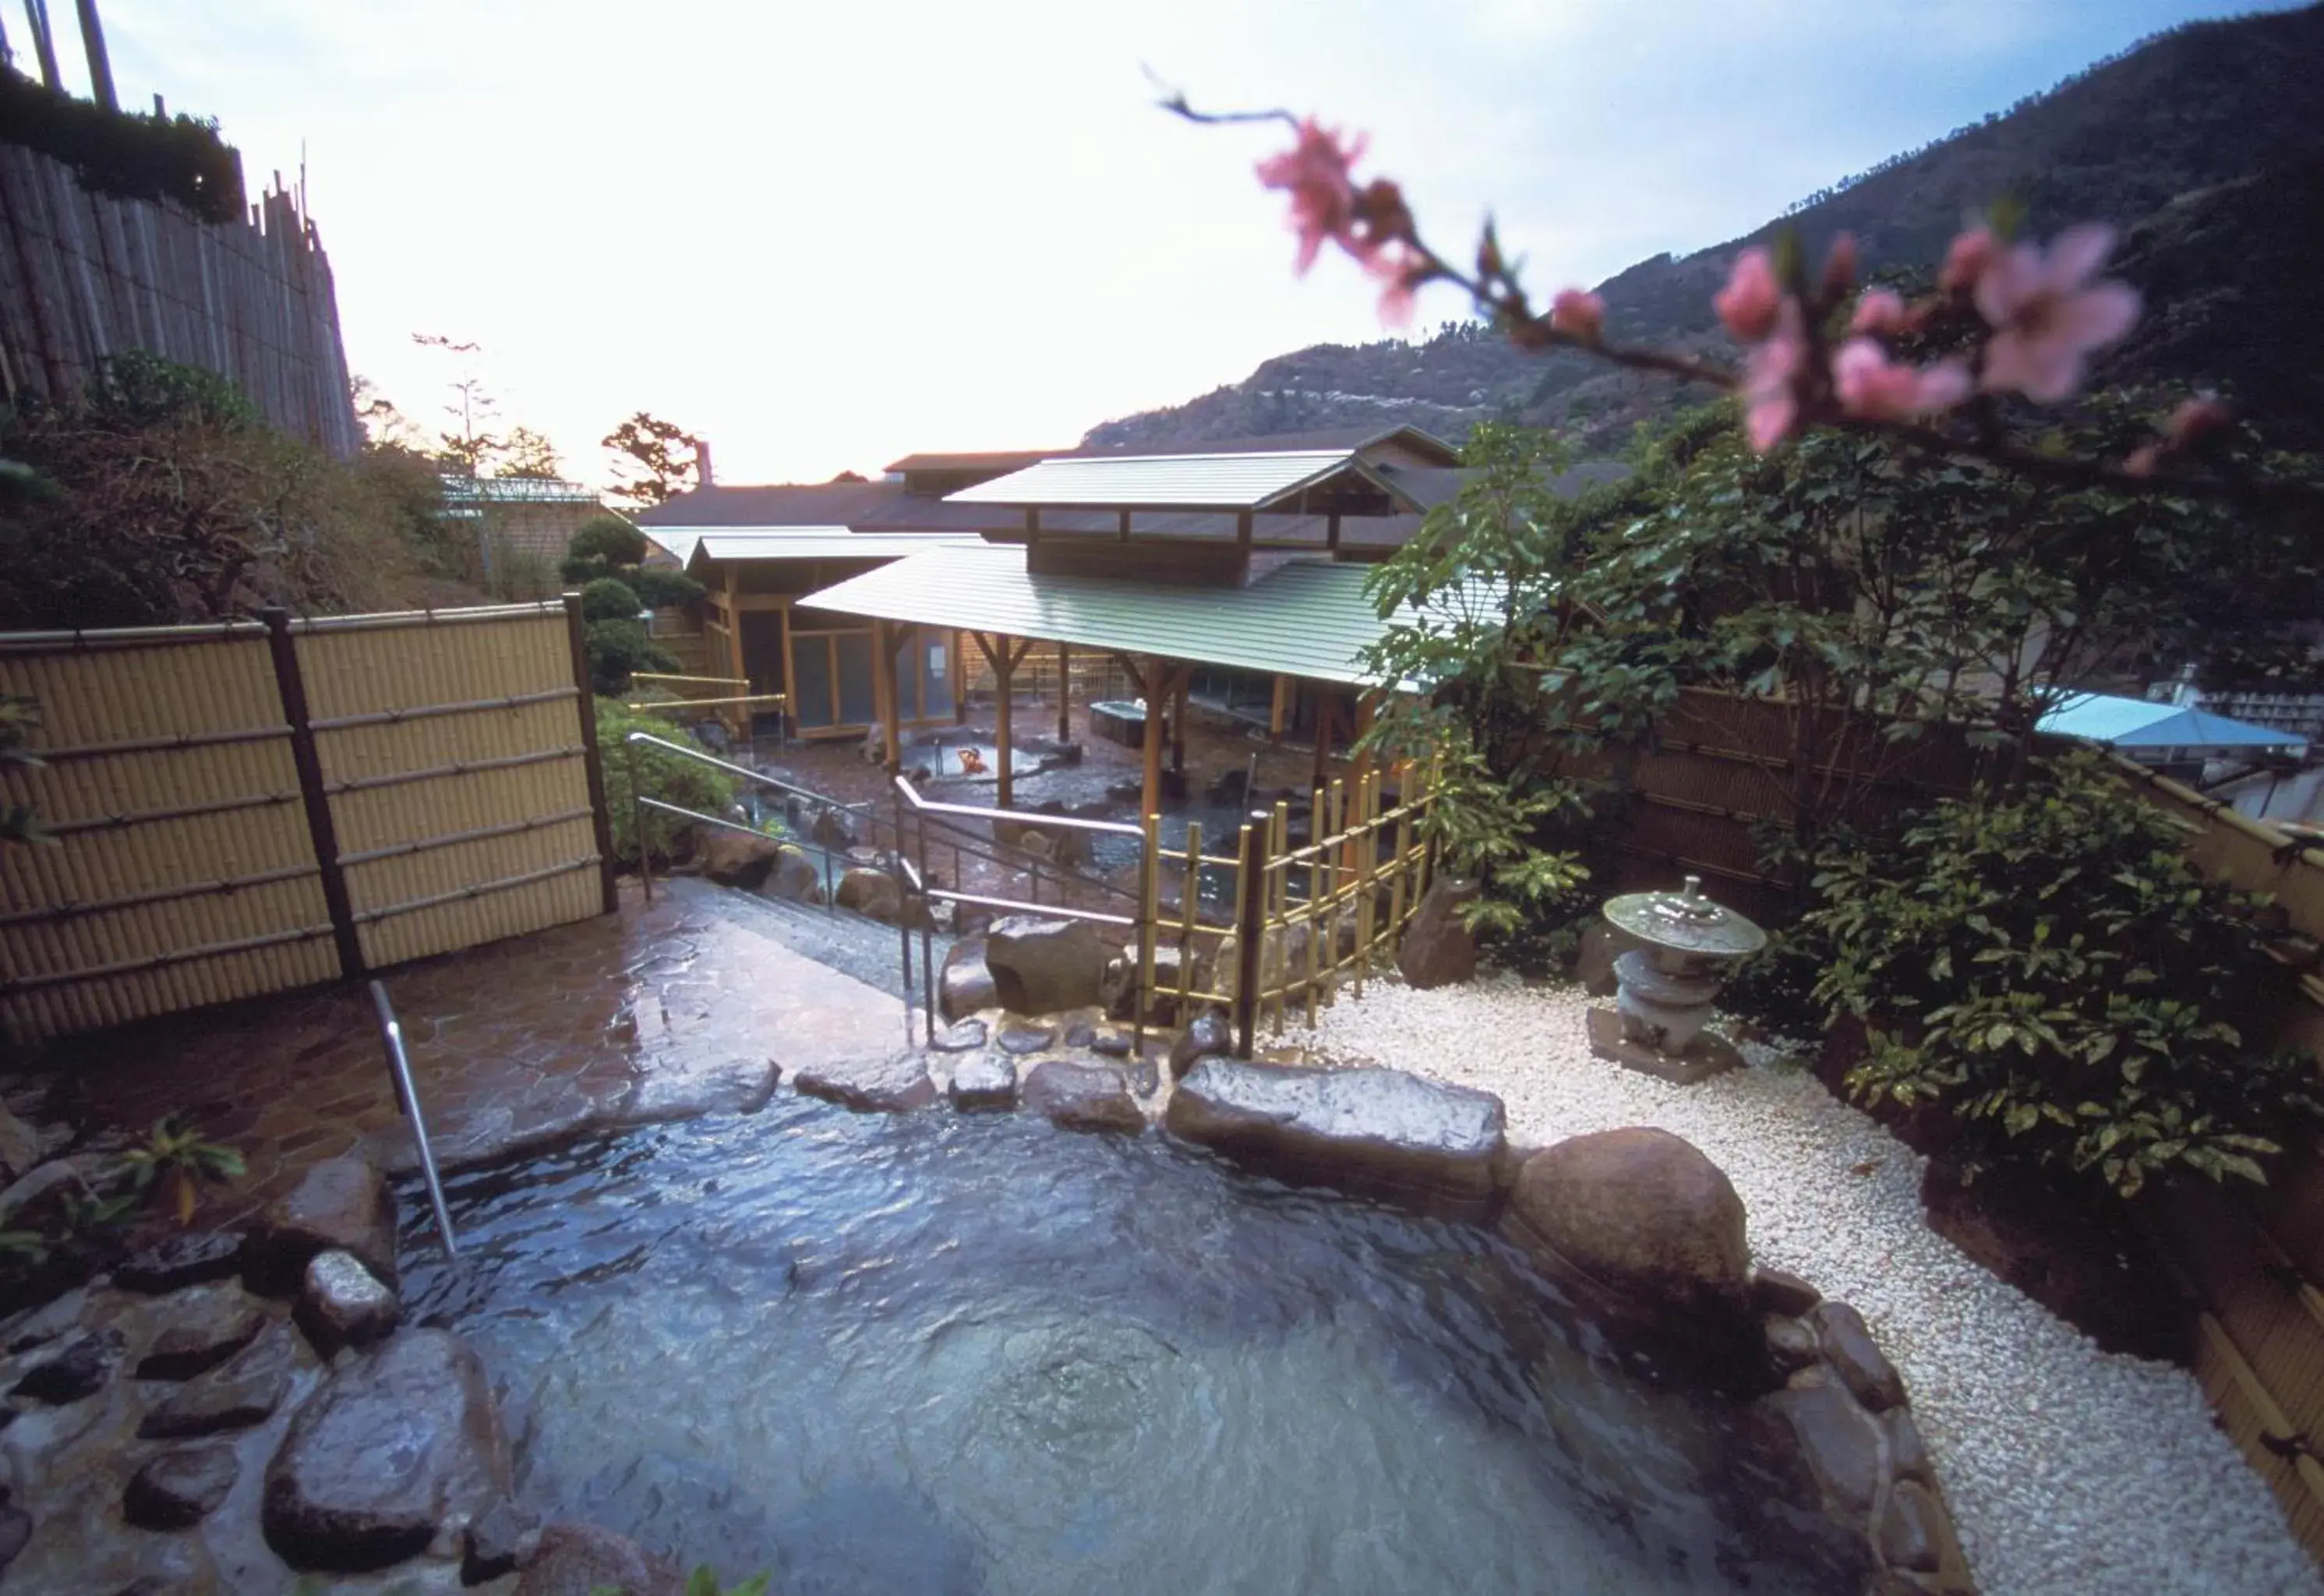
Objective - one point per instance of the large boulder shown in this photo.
(1437, 949)
(737, 858)
(343, 1203)
(1044, 966)
(400, 1444)
(204, 1326)
(188, 1257)
(1207, 1035)
(1083, 1097)
(182, 1487)
(1640, 1213)
(344, 1303)
(871, 893)
(1427, 1144)
(898, 1082)
(795, 876)
(965, 985)
(583, 1560)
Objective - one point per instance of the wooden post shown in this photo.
(1154, 687)
(1064, 691)
(1327, 715)
(1331, 533)
(320, 828)
(734, 627)
(100, 65)
(883, 695)
(959, 680)
(1250, 927)
(1003, 659)
(1277, 710)
(1125, 526)
(44, 45)
(592, 758)
(790, 675)
(1181, 689)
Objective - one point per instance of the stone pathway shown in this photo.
(514, 1044)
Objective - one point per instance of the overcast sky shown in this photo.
(825, 235)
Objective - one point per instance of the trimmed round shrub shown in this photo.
(609, 598)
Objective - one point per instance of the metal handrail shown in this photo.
(399, 1065)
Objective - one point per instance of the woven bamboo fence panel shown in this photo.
(125, 730)
(451, 760)
(87, 275)
(497, 837)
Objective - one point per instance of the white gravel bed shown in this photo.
(2069, 1469)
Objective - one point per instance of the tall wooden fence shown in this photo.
(85, 275)
(251, 806)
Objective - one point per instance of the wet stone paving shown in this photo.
(664, 1010)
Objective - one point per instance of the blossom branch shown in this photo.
(2032, 318)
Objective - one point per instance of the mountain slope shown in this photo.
(2169, 141)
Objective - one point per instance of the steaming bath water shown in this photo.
(941, 1353)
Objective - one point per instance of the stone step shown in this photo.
(839, 939)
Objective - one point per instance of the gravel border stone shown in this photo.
(2069, 1470)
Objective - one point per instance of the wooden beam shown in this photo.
(1180, 686)
(734, 627)
(1064, 691)
(1331, 533)
(1156, 673)
(883, 696)
(791, 673)
(1125, 526)
(1278, 708)
(1004, 693)
(1327, 714)
(959, 680)
(1032, 526)
(1243, 528)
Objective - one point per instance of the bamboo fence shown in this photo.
(84, 275)
(253, 807)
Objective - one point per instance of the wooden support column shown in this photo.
(1183, 687)
(1331, 533)
(734, 627)
(1004, 656)
(1367, 705)
(1125, 526)
(790, 677)
(1154, 686)
(884, 696)
(1243, 529)
(959, 680)
(1064, 690)
(1327, 715)
(1278, 709)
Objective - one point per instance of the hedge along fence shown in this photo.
(84, 275)
(252, 807)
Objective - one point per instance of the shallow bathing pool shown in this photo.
(940, 1353)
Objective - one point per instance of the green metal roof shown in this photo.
(1255, 481)
(1306, 618)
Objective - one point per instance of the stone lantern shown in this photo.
(1665, 986)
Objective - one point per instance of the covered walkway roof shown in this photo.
(809, 543)
(1289, 479)
(1307, 618)
(2143, 726)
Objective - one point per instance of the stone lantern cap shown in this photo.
(1685, 922)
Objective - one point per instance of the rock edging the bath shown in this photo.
(1377, 1129)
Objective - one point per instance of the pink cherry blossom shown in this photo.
(1871, 385)
(1771, 376)
(2048, 316)
(1966, 260)
(1322, 195)
(1880, 310)
(2193, 421)
(1749, 301)
(1582, 314)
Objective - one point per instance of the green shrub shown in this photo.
(128, 156)
(661, 589)
(2049, 967)
(660, 774)
(607, 540)
(608, 599)
(619, 649)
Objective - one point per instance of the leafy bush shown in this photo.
(662, 590)
(2049, 967)
(130, 156)
(602, 545)
(619, 649)
(660, 774)
(610, 599)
